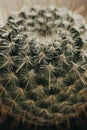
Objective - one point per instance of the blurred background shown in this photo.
(9, 6)
(15, 4)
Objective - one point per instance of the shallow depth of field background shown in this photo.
(15, 4)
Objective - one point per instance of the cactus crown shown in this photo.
(43, 65)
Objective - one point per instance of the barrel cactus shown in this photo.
(43, 66)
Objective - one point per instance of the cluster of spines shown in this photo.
(49, 81)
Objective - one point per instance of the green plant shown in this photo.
(43, 66)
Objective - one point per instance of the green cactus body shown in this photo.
(43, 65)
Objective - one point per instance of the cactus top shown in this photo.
(43, 65)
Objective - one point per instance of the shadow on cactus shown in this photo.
(43, 67)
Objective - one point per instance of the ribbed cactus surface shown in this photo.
(43, 65)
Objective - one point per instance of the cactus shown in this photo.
(43, 66)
